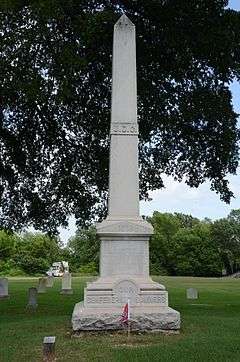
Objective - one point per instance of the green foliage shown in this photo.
(182, 245)
(55, 101)
(89, 268)
(36, 252)
(7, 245)
(85, 248)
(9, 268)
(196, 253)
(226, 233)
(28, 253)
(161, 243)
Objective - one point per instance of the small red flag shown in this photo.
(126, 313)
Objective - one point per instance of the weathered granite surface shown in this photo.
(142, 318)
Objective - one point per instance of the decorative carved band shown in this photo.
(125, 128)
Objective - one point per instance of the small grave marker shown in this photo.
(50, 281)
(67, 284)
(4, 288)
(42, 285)
(32, 298)
(192, 293)
(49, 348)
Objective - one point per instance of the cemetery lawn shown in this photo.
(210, 325)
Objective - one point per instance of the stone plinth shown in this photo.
(143, 318)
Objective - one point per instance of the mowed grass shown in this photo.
(210, 325)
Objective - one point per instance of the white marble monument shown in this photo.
(124, 256)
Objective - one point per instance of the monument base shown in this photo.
(142, 318)
(124, 277)
(105, 298)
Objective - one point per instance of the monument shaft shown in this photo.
(123, 178)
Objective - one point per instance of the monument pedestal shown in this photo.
(124, 270)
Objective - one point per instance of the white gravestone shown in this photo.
(192, 293)
(124, 255)
(50, 282)
(67, 283)
(3, 288)
(32, 298)
(42, 283)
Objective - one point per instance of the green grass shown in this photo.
(210, 325)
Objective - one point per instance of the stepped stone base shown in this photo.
(142, 318)
(105, 298)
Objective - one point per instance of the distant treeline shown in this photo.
(181, 245)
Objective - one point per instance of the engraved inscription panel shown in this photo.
(102, 299)
(125, 290)
(154, 299)
(125, 128)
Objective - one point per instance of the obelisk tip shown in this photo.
(124, 21)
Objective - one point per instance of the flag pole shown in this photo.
(129, 321)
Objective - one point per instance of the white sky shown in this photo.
(178, 197)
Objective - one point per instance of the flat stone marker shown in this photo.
(67, 284)
(192, 293)
(50, 281)
(4, 288)
(42, 283)
(32, 298)
(49, 348)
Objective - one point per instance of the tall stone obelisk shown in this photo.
(124, 256)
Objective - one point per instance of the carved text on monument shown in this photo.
(126, 128)
(121, 299)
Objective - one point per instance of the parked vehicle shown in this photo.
(58, 268)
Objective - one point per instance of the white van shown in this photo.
(58, 269)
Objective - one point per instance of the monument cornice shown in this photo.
(129, 227)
